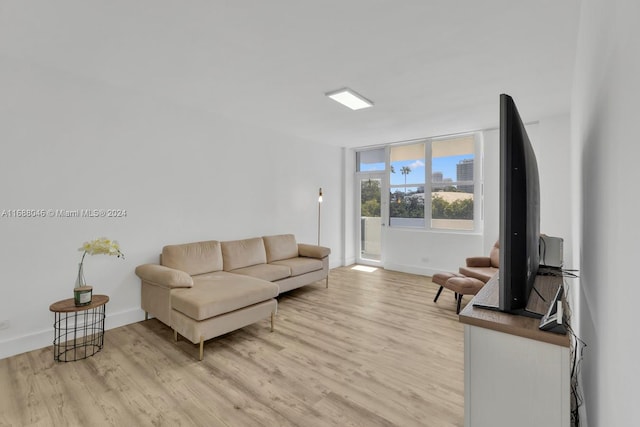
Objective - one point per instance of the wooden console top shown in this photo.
(523, 326)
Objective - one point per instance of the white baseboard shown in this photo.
(334, 264)
(121, 318)
(33, 341)
(403, 268)
(44, 338)
(412, 269)
(349, 261)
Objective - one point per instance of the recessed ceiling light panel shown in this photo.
(349, 98)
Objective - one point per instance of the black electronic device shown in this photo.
(554, 320)
(519, 213)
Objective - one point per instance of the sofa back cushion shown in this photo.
(243, 253)
(193, 258)
(280, 247)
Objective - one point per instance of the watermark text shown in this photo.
(63, 213)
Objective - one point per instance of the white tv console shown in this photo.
(514, 373)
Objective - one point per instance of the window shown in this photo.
(407, 184)
(370, 160)
(433, 183)
(453, 183)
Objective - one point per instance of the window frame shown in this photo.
(478, 186)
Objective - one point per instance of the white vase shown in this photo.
(80, 280)
(81, 292)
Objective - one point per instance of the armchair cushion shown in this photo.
(495, 255)
(480, 273)
(478, 261)
(483, 267)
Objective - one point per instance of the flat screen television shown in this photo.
(519, 211)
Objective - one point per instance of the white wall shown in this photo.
(551, 140)
(181, 175)
(428, 252)
(349, 217)
(604, 126)
(424, 252)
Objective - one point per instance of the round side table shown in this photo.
(78, 331)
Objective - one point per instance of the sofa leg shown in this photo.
(438, 294)
(146, 315)
(175, 335)
(459, 302)
(327, 283)
(201, 348)
(273, 319)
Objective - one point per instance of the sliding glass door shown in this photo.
(371, 218)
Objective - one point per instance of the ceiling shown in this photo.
(432, 67)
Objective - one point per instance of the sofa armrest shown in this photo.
(479, 261)
(313, 251)
(164, 276)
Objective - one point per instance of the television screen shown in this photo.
(519, 211)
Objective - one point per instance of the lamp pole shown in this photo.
(319, 205)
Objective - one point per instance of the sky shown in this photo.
(446, 165)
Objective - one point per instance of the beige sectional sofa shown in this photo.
(206, 289)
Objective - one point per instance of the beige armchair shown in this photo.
(483, 267)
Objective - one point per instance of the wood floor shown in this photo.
(372, 350)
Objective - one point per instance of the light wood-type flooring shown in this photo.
(372, 350)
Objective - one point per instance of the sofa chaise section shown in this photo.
(218, 303)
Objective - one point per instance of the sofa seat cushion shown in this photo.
(220, 292)
(300, 265)
(268, 272)
(481, 273)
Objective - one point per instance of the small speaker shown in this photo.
(551, 251)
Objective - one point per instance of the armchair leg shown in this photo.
(438, 294)
(327, 282)
(201, 347)
(459, 302)
(146, 315)
(175, 335)
(273, 318)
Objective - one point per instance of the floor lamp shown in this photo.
(319, 205)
